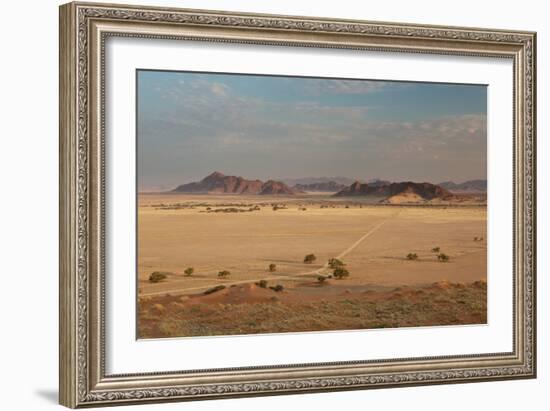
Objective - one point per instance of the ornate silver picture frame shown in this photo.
(84, 30)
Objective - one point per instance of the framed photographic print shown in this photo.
(260, 204)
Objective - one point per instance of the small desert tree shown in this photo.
(443, 258)
(436, 249)
(340, 272)
(224, 274)
(157, 277)
(189, 271)
(308, 259)
(262, 284)
(321, 279)
(412, 256)
(335, 263)
(272, 267)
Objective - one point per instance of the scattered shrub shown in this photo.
(335, 263)
(262, 284)
(443, 257)
(340, 272)
(224, 274)
(321, 279)
(272, 267)
(436, 249)
(157, 277)
(214, 289)
(189, 271)
(412, 256)
(308, 259)
(277, 288)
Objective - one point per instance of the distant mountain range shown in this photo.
(218, 183)
(316, 180)
(379, 190)
(328, 187)
(471, 186)
(395, 193)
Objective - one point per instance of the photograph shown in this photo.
(284, 204)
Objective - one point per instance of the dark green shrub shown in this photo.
(340, 272)
(224, 274)
(214, 289)
(436, 249)
(272, 268)
(157, 277)
(308, 259)
(262, 283)
(189, 271)
(443, 258)
(412, 256)
(335, 263)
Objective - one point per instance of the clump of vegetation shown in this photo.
(340, 273)
(321, 279)
(262, 284)
(443, 257)
(335, 263)
(412, 256)
(157, 277)
(278, 288)
(224, 274)
(214, 289)
(310, 258)
(189, 271)
(272, 268)
(436, 249)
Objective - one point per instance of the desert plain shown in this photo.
(390, 252)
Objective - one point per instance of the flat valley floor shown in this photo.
(245, 234)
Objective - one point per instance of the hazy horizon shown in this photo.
(284, 128)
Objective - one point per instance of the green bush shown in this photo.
(214, 289)
(224, 274)
(340, 272)
(157, 277)
(412, 256)
(308, 259)
(443, 258)
(272, 268)
(189, 271)
(335, 263)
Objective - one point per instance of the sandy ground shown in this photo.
(176, 232)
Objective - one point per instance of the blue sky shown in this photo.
(190, 124)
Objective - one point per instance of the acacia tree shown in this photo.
(443, 258)
(340, 272)
(335, 263)
(309, 258)
(157, 277)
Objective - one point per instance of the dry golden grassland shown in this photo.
(245, 234)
